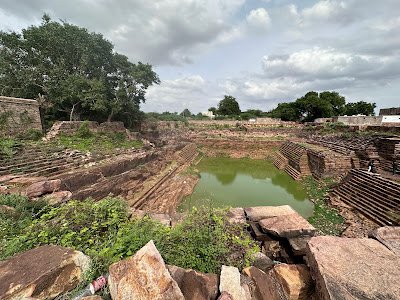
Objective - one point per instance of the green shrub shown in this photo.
(204, 241)
(84, 131)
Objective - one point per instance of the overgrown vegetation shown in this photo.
(7, 147)
(325, 219)
(85, 140)
(102, 230)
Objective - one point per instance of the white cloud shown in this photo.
(323, 63)
(324, 10)
(259, 19)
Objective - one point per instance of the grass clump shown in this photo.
(98, 142)
(325, 219)
(102, 230)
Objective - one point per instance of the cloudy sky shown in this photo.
(260, 51)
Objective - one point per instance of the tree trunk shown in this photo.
(110, 116)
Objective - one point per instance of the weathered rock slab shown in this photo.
(43, 187)
(257, 213)
(195, 285)
(388, 236)
(230, 282)
(44, 272)
(287, 226)
(299, 244)
(348, 268)
(143, 276)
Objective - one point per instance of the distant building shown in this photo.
(209, 114)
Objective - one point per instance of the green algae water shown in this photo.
(243, 183)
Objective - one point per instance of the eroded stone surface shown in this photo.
(58, 197)
(195, 285)
(348, 268)
(236, 216)
(265, 286)
(257, 213)
(44, 272)
(230, 282)
(288, 226)
(299, 244)
(295, 280)
(43, 187)
(143, 276)
(389, 236)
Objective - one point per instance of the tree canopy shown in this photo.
(228, 106)
(320, 105)
(72, 72)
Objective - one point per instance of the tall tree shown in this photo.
(73, 71)
(186, 113)
(228, 106)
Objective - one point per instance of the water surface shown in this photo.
(245, 182)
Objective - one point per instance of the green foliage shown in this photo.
(84, 140)
(14, 221)
(359, 108)
(228, 106)
(186, 113)
(31, 135)
(84, 131)
(73, 72)
(323, 105)
(102, 230)
(325, 219)
(7, 147)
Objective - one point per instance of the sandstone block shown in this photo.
(287, 226)
(295, 281)
(143, 276)
(236, 216)
(258, 213)
(58, 197)
(43, 187)
(230, 282)
(44, 272)
(388, 236)
(348, 268)
(262, 262)
(195, 285)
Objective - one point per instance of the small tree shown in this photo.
(228, 106)
(186, 113)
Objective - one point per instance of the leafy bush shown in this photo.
(15, 220)
(84, 131)
(204, 241)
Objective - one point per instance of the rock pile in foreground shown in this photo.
(338, 268)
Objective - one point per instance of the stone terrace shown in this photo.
(372, 195)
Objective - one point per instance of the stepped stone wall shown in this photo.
(328, 163)
(71, 127)
(18, 115)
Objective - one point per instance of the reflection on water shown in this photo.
(246, 182)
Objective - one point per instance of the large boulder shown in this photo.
(287, 226)
(230, 283)
(258, 213)
(348, 268)
(389, 236)
(43, 187)
(43, 273)
(143, 276)
(195, 285)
